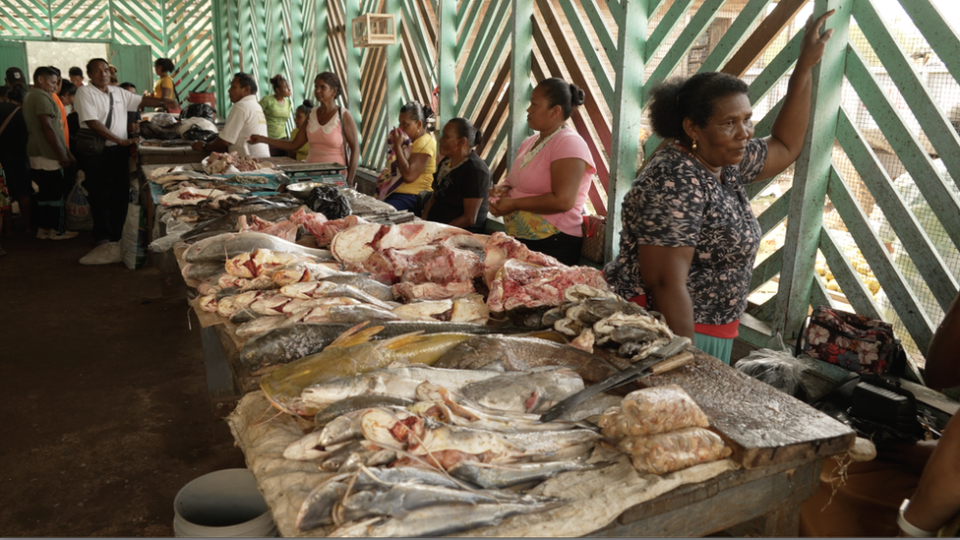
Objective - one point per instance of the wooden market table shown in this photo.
(779, 442)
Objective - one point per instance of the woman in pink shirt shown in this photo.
(542, 198)
(330, 130)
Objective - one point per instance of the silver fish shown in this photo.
(229, 245)
(511, 474)
(201, 271)
(444, 519)
(317, 508)
(370, 286)
(399, 383)
(338, 457)
(343, 428)
(377, 477)
(306, 448)
(356, 403)
(524, 392)
(402, 498)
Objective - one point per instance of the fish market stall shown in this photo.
(415, 379)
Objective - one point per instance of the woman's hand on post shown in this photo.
(814, 43)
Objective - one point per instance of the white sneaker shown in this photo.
(65, 236)
(103, 254)
(44, 234)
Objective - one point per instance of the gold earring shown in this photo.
(694, 144)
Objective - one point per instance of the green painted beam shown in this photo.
(479, 92)
(847, 277)
(820, 296)
(627, 110)
(905, 144)
(587, 49)
(891, 279)
(940, 36)
(735, 35)
(775, 214)
(521, 56)
(766, 270)
(764, 312)
(354, 99)
(468, 23)
(811, 175)
(754, 331)
(671, 19)
(220, 45)
(600, 23)
(932, 119)
(904, 223)
(447, 67)
(775, 70)
(678, 51)
(393, 75)
(486, 34)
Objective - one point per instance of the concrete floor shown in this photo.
(105, 412)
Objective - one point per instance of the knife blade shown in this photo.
(667, 357)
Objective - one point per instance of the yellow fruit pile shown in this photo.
(859, 263)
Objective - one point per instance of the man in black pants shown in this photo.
(103, 108)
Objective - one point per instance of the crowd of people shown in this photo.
(42, 148)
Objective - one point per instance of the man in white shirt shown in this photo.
(103, 108)
(245, 119)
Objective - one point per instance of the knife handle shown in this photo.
(675, 361)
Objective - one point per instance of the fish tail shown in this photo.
(355, 336)
(402, 340)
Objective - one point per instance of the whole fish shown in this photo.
(306, 448)
(228, 223)
(519, 353)
(501, 476)
(403, 498)
(338, 457)
(379, 477)
(350, 354)
(295, 341)
(229, 245)
(443, 519)
(347, 314)
(357, 403)
(317, 508)
(524, 392)
(397, 382)
(202, 271)
(345, 427)
(370, 286)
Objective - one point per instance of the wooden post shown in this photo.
(626, 108)
(447, 67)
(220, 66)
(521, 53)
(812, 175)
(351, 10)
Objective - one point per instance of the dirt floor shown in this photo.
(105, 407)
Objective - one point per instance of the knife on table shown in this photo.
(669, 356)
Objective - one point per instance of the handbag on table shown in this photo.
(857, 343)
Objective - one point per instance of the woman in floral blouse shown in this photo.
(542, 198)
(689, 237)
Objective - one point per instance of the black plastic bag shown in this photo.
(198, 110)
(197, 134)
(328, 201)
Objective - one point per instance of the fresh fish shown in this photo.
(345, 427)
(370, 286)
(402, 498)
(317, 508)
(554, 445)
(337, 458)
(624, 334)
(202, 271)
(519, 353)
(350, 291)
(511, 474)
(306, 448)
(357, 403)
(229, 245)
(379, 477)
(228, 222)
(350, 354)
(443, 519)
(424, 311)
(261, 325)
(295, 341)
(524, 392)
(298, 271)
(396, 382)
(352, 314)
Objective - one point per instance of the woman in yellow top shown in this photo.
(164, 88)
(300, 119)
(416, 122)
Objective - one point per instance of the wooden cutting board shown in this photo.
(762, 425)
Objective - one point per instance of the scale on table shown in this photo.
(321, 173)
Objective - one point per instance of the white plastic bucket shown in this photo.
(222, 504)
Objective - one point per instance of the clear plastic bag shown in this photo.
(653, 410)
(175, 229)
(668, 452)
